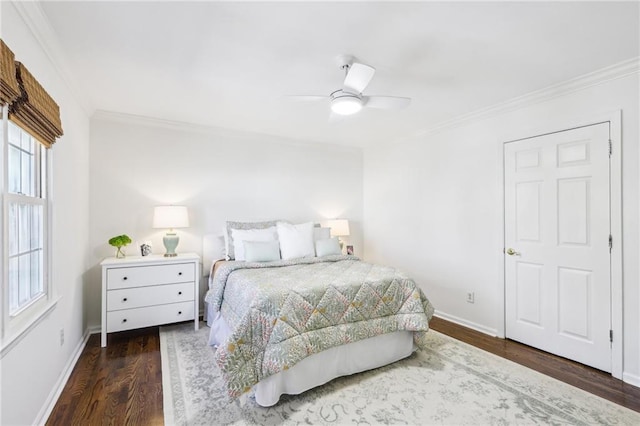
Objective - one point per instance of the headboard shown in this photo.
(212, 250)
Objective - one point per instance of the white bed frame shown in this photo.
(336, 362)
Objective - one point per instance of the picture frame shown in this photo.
(350, 250)
(145, 249)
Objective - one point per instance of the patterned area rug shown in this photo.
(451, 383)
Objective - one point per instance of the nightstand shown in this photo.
(151, 290)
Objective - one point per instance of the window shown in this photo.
(30, 125)
(25, 226)
(26, 219)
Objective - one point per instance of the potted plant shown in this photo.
(119, 242)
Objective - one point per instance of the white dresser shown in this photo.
(152, 290)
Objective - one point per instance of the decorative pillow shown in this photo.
(321, 233)
(328, 246)
(225, 234)
(296, 240)
(261, 251)
(228, 237)
(239, 236)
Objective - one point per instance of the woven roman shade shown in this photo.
(35, 110)
(9, 90)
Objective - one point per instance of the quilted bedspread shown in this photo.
(281, 312)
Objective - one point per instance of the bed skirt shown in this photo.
(338, 361)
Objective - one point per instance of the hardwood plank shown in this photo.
(122, 384)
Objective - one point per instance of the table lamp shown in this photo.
(170, 217)
(339, 228)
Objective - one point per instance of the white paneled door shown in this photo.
(557, 255)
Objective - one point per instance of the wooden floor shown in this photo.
(117, 385)
(122, 384)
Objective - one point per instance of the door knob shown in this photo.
(512, 252)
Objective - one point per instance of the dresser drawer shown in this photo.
(128, 319)
(139, 276)
(137, 297)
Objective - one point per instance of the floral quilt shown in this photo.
(281, 312)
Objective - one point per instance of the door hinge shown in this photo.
(611, 336)
(610, 243)
(610, 147)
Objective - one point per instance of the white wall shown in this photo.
(433, 205)
(32, 368)
(219, 175)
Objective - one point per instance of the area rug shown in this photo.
(451, 383)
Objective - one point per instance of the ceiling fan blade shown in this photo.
(386, 102)
(358, 77)
(305, 98)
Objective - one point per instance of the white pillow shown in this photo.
(321, 233)
(296, 240)
(327, 247)
(261, 251)
(239, 236)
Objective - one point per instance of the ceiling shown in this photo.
(232, 64)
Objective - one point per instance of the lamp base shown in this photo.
(170, 242)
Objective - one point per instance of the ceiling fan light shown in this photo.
(346, 105)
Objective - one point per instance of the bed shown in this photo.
(276, 322)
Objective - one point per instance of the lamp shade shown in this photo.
(339, 227)
(170, 217)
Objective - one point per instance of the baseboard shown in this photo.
(469, 324)
(632, 379)
(94, 329)
(50, 403)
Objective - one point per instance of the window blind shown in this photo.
(35, 110)
(9, 89)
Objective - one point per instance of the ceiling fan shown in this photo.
(349, 99)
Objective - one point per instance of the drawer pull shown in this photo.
(124, 299)
(179, 293)
(179, 312)
(124, 320)
(124, 278)
(179, 273)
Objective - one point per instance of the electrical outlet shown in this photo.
(61, 336)
(471, 297)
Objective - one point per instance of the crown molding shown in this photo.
(38, 23)
(219, 132)
(595, 78)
